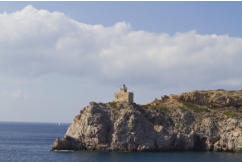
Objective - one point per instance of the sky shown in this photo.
(56, 57)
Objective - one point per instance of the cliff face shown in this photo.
(198, 120)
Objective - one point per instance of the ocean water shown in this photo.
(31, 142)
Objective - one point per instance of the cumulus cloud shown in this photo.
(36, 42)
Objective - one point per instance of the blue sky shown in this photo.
(58, 56)
(170, 17)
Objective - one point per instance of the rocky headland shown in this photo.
(198, 120)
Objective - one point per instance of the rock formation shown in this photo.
(198, 120)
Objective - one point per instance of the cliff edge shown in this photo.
(198, 120)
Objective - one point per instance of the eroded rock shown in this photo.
(164, 125)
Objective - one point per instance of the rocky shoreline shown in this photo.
(192, 121)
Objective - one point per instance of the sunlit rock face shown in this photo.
(198, 120)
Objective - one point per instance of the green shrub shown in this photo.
(231, 114)
(159, 107)
(194, 107)
(237, 97)
(144, 106)
(113, 104)
(183, 109)
(154, 107)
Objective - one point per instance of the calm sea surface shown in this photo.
(32, 142)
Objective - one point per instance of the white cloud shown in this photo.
(36, 42)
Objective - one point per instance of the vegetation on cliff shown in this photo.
(199, 120)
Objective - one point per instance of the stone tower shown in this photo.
(123, 95)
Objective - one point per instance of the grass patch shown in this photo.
(236, 97)
(159, 107)
(231, 114)
(144, 106)
(154, 107)
(183, 109)
(194, 107)
(113, 104)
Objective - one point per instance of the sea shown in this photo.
(31, 142)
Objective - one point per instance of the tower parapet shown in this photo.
(124, 95)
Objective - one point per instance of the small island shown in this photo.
(192, 121)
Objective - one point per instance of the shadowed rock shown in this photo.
(199, 120)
